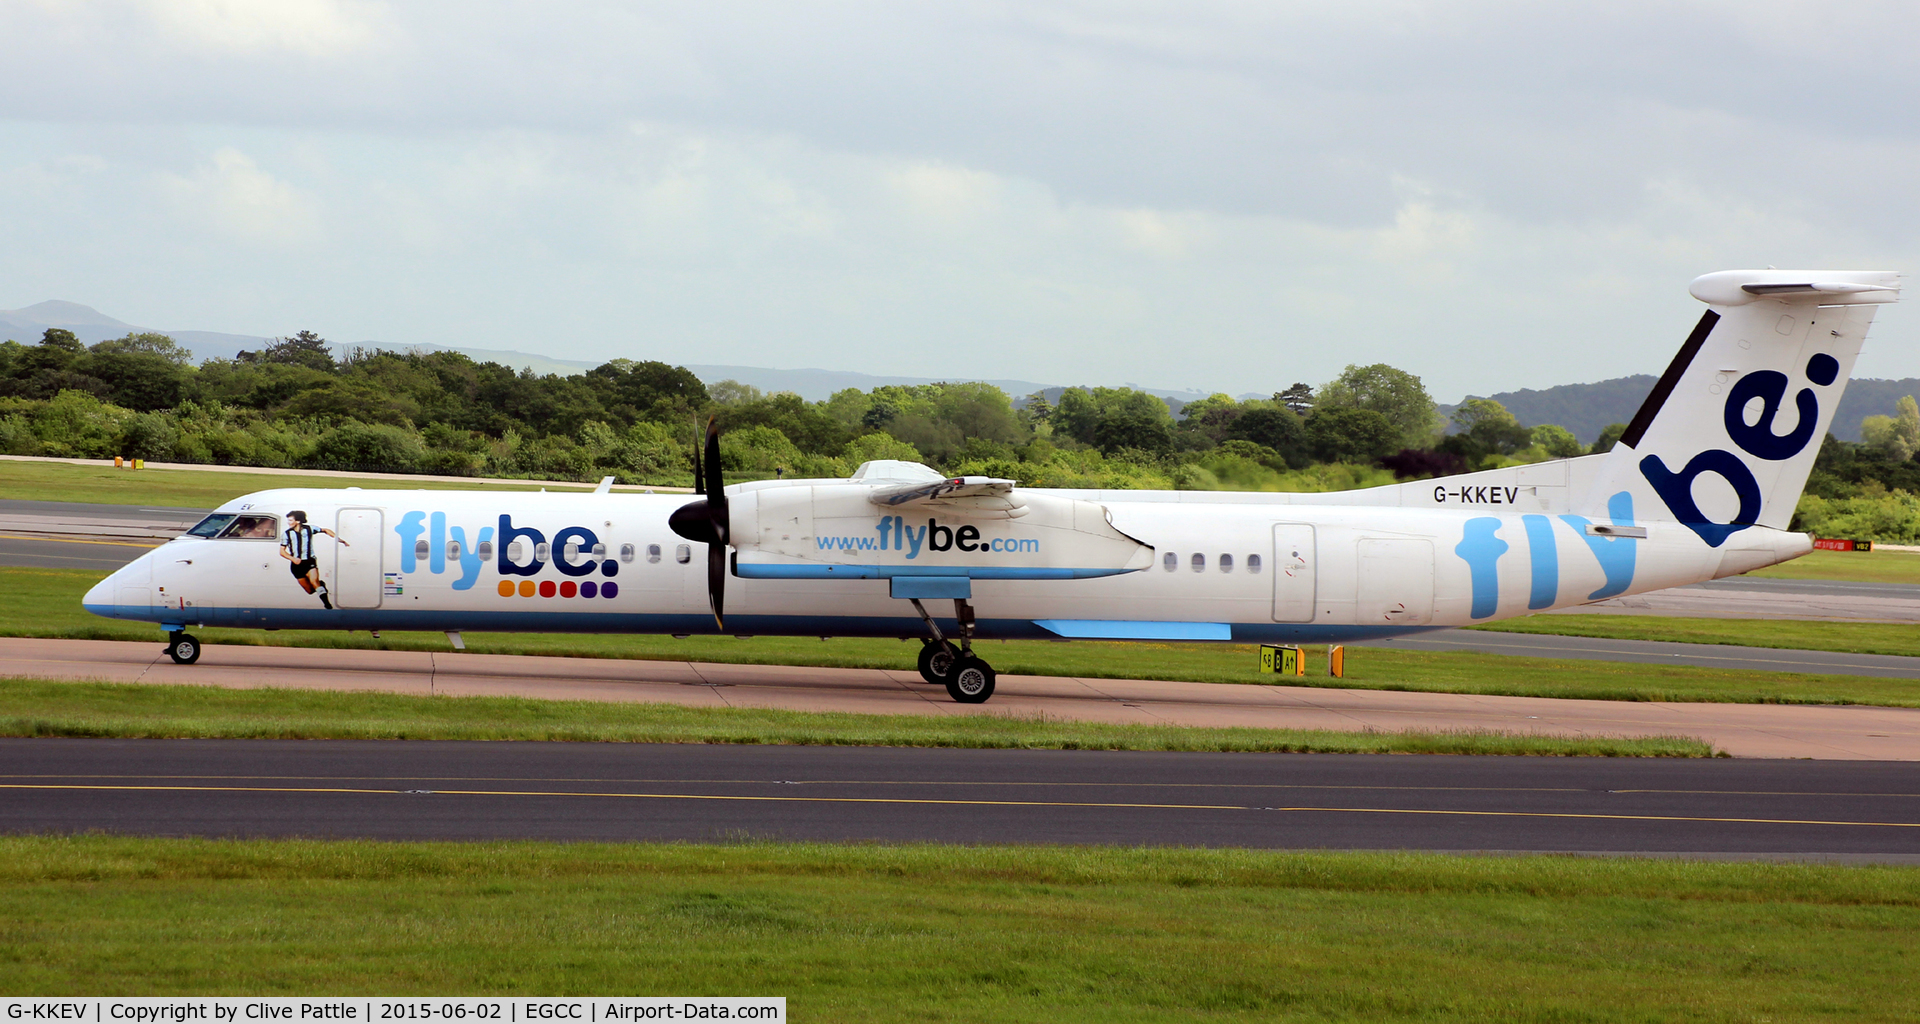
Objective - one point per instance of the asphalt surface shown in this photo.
(87, 510)
(1660, 652)
(590, 791)
(1812, 588)
(40, 553)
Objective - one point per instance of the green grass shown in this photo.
(187, 488)
(1851, 566)
(1781, 634)
(33, 707)
(46, 603)
(944, 933)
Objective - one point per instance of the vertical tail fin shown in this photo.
(1727, 437)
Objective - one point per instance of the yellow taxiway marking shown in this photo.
(964, 803)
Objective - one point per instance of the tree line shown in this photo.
(295, 403)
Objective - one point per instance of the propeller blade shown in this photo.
(716, 485)
(717, 515)
(699, 475)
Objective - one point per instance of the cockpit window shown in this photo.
(252, 528)
(210, 526)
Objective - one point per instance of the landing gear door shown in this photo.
(356, 567)
(1293, 573)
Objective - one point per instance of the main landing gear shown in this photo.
(968, 679)
(184, 648)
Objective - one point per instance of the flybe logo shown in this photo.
(522, 551)
(896, 535)
(1756, 439)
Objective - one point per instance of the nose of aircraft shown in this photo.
(106, 596)
(99, 600)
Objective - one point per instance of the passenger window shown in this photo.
(453, 551)
(572, 550)
(540, 551)
(485, 551)
(516, 552)
(1253, 564)
(1199, 562)
(653, 552)
(420, 548)
(1172, 561)
(599, 551)
(626, 552)
(209, 527)
(1226, 563)
(682, 553)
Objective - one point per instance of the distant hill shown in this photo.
(1585, 409)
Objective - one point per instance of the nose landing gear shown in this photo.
(968, 679)
(183, 648)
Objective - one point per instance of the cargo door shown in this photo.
(1293, 573)
(1396, 582)
(356, 571)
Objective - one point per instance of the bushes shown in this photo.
(1891, 518)
(367, 446)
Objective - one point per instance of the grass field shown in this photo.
(941, 933)
(46, 603)
(1781, 634)
(187, 488)
(1856, 567)
(30, 707)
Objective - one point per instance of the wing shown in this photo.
(978, 497)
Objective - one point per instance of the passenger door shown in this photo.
(357, 565)
(1293, 573)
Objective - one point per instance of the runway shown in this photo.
(1743, 730)
(587, 791)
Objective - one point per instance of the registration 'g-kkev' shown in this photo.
(1702, 485)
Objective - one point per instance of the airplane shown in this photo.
(1702, 485)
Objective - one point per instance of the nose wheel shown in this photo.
(184, 649)
(968, 679)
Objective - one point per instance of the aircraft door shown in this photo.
(1396, 582)
(1293, 573)
(356, 565)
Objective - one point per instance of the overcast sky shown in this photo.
(1221, 196)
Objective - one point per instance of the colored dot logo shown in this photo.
(547, 588)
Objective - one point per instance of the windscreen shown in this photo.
(210, 526)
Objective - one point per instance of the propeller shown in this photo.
(705, 520)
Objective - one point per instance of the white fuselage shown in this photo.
(1248, 568)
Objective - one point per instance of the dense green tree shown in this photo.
(303, 349)
(1557, 441)
(1298, 398)
(1395, 394)
(1272, 425)
(1115, 419)
(1896, 436)
(1608, 438)
(1345, 434)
